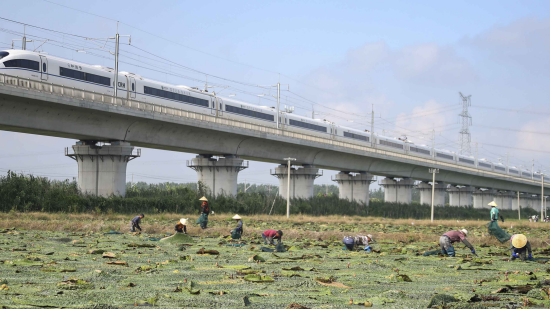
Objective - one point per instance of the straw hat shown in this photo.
(519, 241)
(236, 217)
(183, 221)
(370, 237)
(493, 204)
(203, 199)
(465, 232)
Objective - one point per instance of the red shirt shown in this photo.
(270, 233)
(455, 236)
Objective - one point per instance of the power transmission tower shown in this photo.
(465, 138)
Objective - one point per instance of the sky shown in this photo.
(407, 60)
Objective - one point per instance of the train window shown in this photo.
(444, 156)
(175, 96)
(247, 112)
(44, 67)
(486, 165)
(85, 76)
(307, 125)
(391, 144)
(500, 168)
(513, 171)
(419, 150)
(22, 63)
(355, 136)
(468, 161)
(133, 87)
(3, 54)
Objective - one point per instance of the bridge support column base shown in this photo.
(397, 191)
(426, 193)
(354, 187)
(301, 180)
(102, 169)
(460, 196)
(219, 175)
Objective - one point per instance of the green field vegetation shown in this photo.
(44, 265)
(23, 193)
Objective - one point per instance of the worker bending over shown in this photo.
(352, 243)
(181, 227)
(447, 240)
(237, 232)
(520, 246)
(269, 235)
(134, 223)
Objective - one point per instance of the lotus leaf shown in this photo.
(258, 278)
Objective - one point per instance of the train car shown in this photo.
(353, 135)
(500, 168)
(525, 173)
(389, 143)
(466, 160)
(445, 155)
(537, 176)
(485, 164)
(419, 150)
(514, 171)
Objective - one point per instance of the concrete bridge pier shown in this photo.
(102, 168)
(460, 196)
(354, 187)
(535, 202)
(397, 191)
(504, 199)
(218, 174)
(483, 197)
(425, 189)
(301, 180)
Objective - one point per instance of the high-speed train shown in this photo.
(100, 79)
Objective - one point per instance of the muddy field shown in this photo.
(103, 269)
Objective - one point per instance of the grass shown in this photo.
(45, 261)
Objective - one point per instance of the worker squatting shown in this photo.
(519, 245)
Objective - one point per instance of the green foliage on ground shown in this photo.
(41, 269)
(29, 193)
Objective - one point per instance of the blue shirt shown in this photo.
(136, 220)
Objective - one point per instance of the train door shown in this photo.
(220, 107)
(132, 87)
(43, 68)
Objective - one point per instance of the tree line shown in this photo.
(27, 193)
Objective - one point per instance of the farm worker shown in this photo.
(181, 227)
(520, 245)
(205, 210)
(494, 212)
(269, 235)
(238, 231)
(352, 242)
(447, 240)
(134, 223)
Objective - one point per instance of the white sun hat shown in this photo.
(465, 232)
(184, 221)
(236, 217)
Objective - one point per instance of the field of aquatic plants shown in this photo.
(87, 267)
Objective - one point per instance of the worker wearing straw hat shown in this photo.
(181, 227)
(494, 212)
(238, 231)
(521, 246)
(205, 210)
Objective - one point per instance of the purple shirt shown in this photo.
(455, 236)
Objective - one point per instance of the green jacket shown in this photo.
(494, 213)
